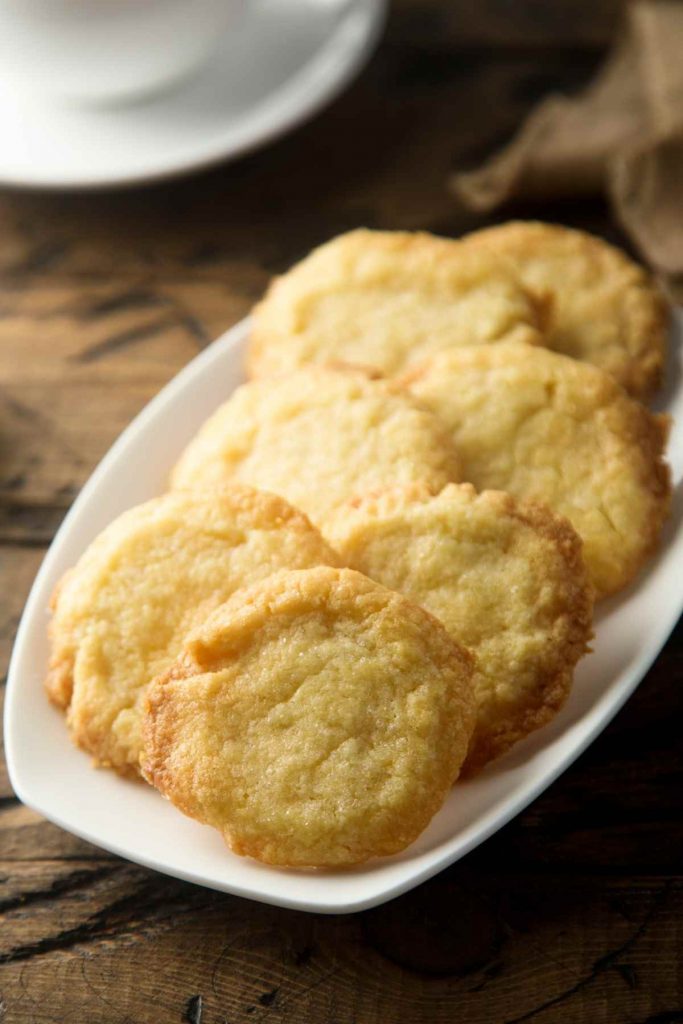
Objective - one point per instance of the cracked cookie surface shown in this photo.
(602, 307)
(318, 437)
(553, 430)
(120, 615)
(506, 579)
(316, 719)
(383, 300)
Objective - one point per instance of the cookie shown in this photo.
(385, 299)
(506, 579)
(553, 430)
(318, 437)
(603, 307)
(158, 570)
(316, 719)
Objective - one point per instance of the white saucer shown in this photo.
(289, 59)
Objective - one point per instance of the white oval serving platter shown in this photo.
(131, 819)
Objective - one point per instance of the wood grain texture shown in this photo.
(572, 913)
(110, 943)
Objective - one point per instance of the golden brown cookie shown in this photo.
(121, 614)
(506, 579)
(603, 307)
(319, 436)
(316, 719)
(553, 430)
(385, 299)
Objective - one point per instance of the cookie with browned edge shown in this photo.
(386, 299)
(602, 307)
(318, 437)
(507, 580)
(121, 614)
(550, 429)
(316, 719)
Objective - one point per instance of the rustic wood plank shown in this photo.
(17, 571)
(26, 836)
(104, 944)
(78, 360)
(572, 913)
(39, 883)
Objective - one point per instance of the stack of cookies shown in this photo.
(376, 565)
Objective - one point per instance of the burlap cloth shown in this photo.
(623, 136)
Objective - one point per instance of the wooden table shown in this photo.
(570, 914)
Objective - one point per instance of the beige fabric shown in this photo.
(622, 135)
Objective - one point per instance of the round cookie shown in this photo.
(506, 579)
(553, 430)
(603, 307)
(121, 613)
(385, 299)
(318, 437)
(316, 719)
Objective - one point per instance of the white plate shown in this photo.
(131, 819)
(289, 59)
